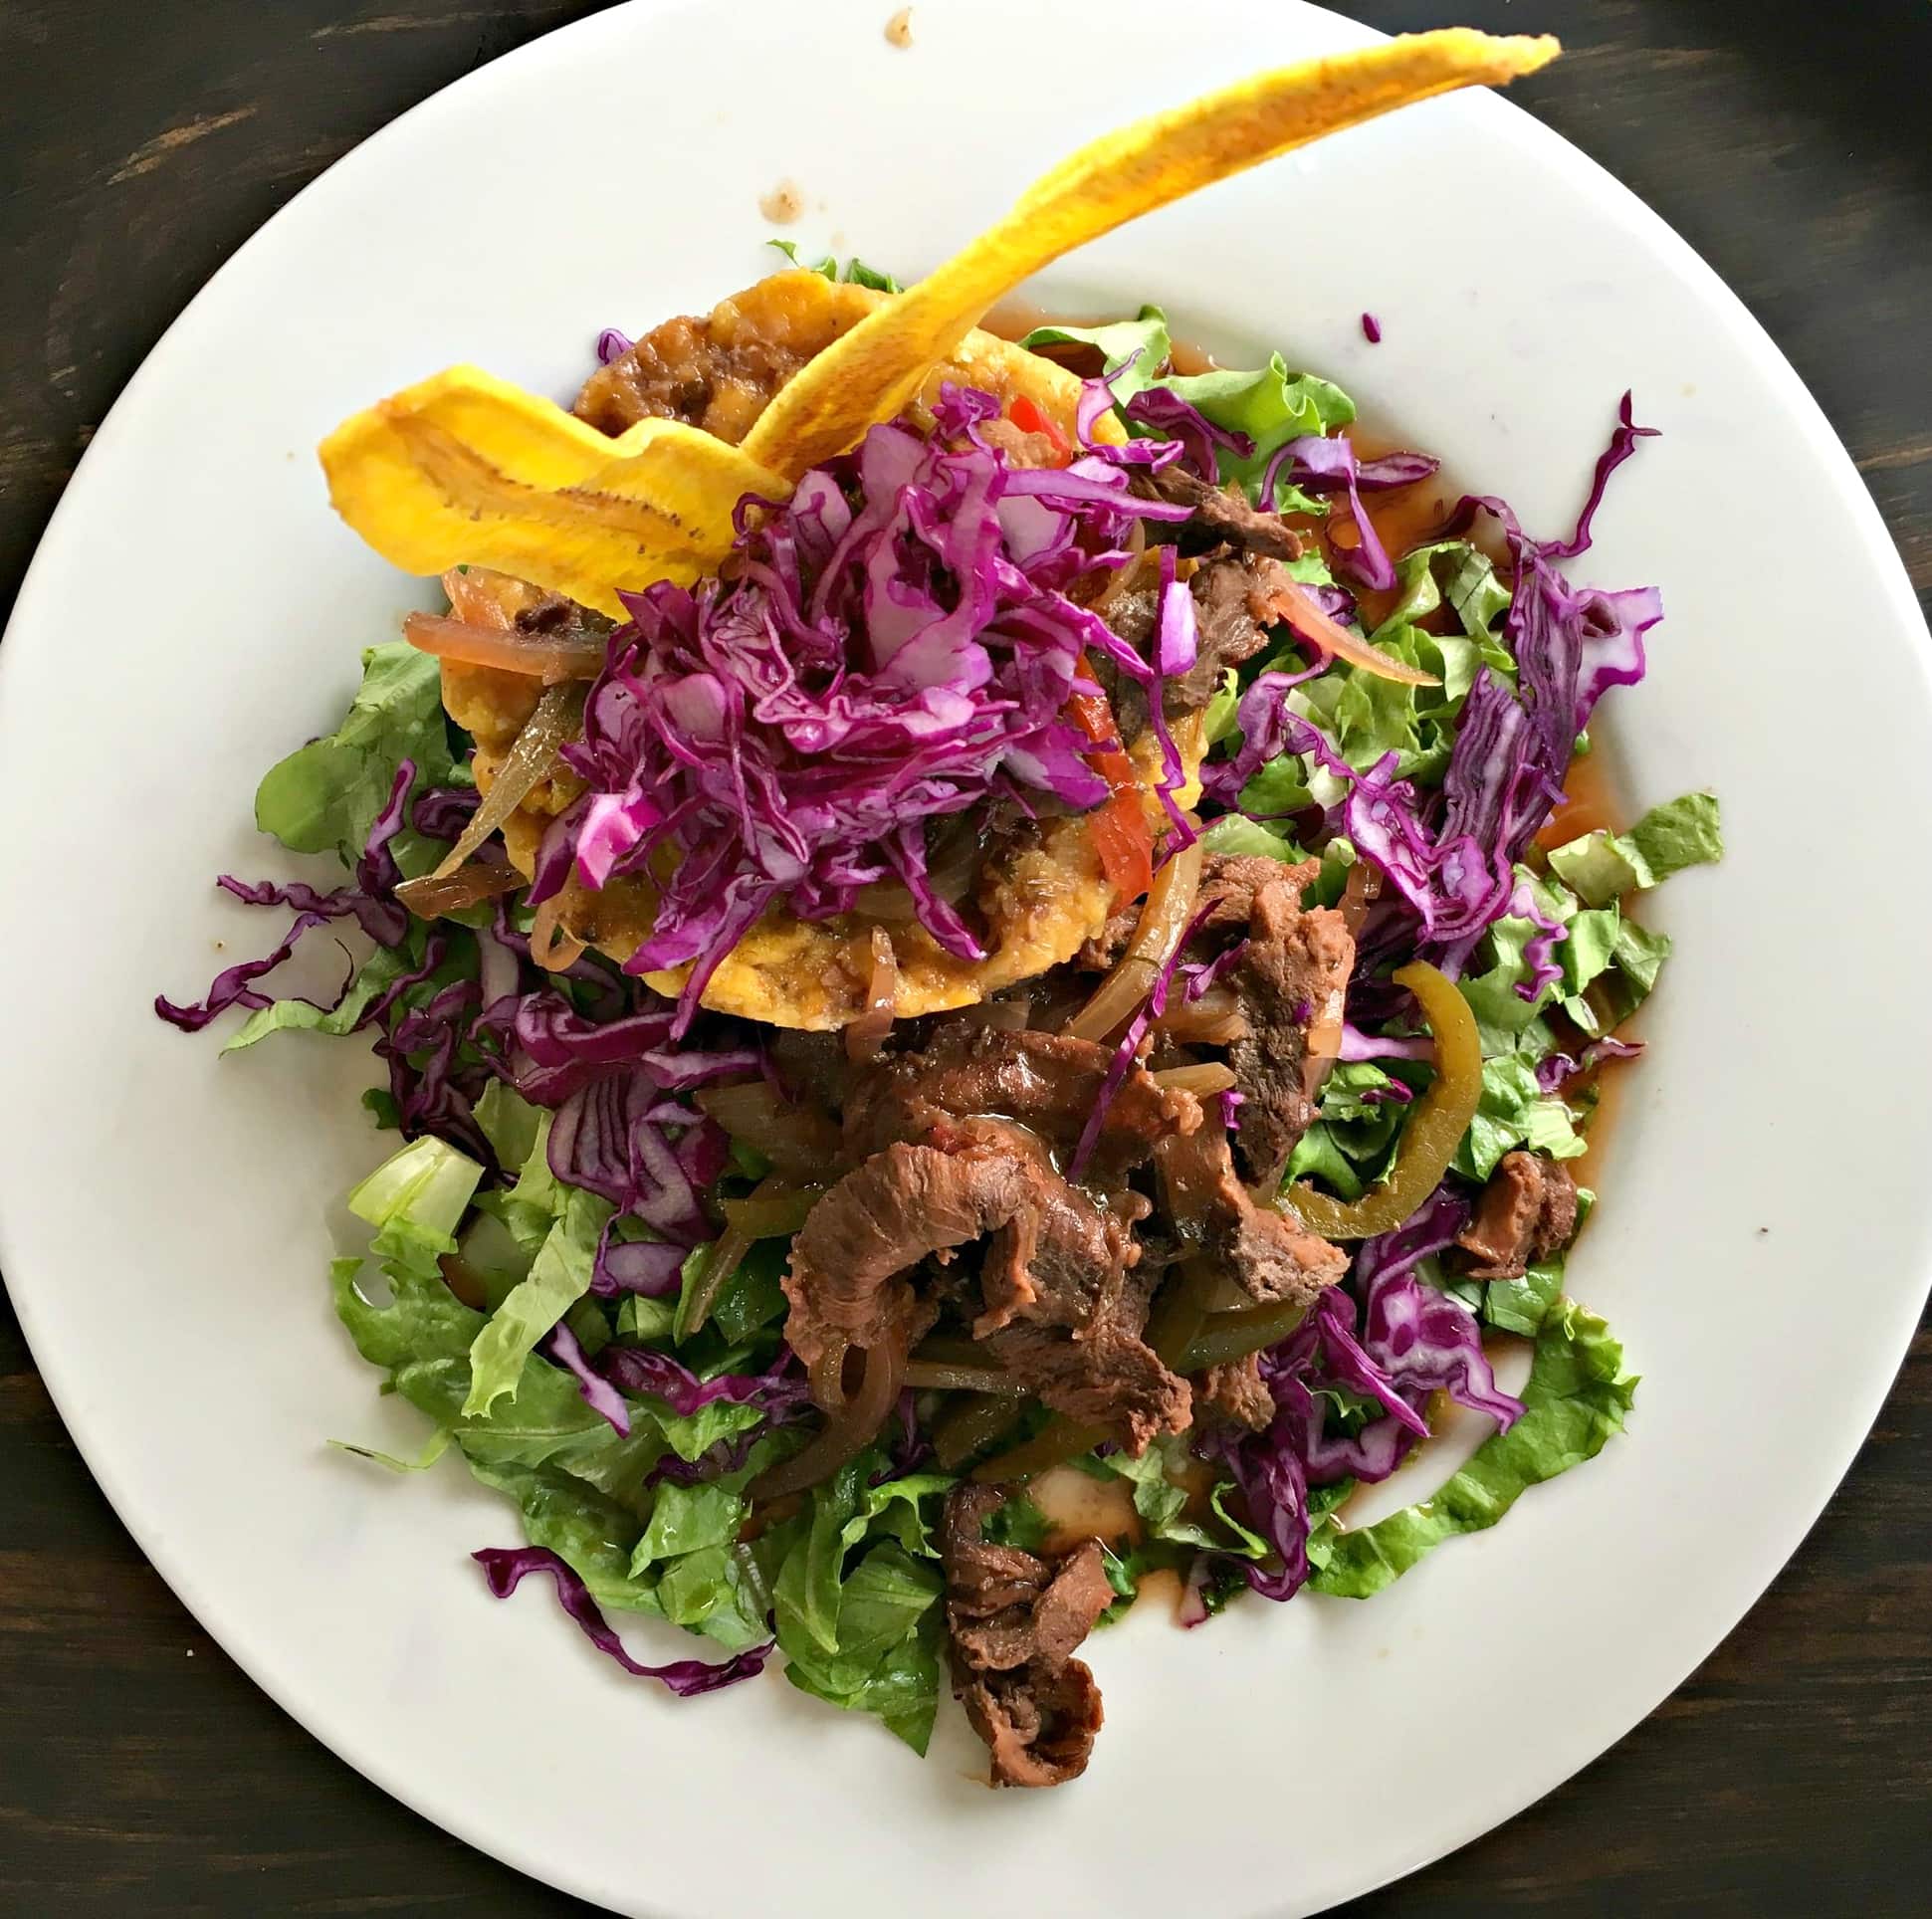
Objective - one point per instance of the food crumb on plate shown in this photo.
(783, 204)
(899, 29)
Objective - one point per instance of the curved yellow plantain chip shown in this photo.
(467, 468)
(873, 370)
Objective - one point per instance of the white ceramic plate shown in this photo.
(195, 611)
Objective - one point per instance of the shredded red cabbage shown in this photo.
(890, 646)
(599, 1394)
(505, 1567)
(1415, 1340)
(1551, 1072)
(1372, 330)
(370, 902)
(1164, 414)
(780, 1392)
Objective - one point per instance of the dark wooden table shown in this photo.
(140, 1772)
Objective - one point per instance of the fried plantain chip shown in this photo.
(466, 468)
(871, 372)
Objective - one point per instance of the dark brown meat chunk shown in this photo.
(1237, 597)
(1229, 882)
(1266, 1251)
(1007, 1608)
(1039, 1726)
(1066, 1305)
(718, 370)
(1290, 978)
(1103, 1374)
(1225, 511)
(845, 1279)
(1045, 1081)
(1527, 1212)
(1051, 1261)
(1103, 952)
(1235, 1396)
(1061, 1308)
(1015, 1620)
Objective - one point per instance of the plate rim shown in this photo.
(1746, 334)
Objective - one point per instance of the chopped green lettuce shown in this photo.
(1118, 342)
(1602, 867)
(1271, 406)
(324, 796)
(855, 271)
(414, 1199)
(862, 1632)
(560, 1276)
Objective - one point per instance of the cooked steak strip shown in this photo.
(847, 1278)
(1291, 975)
(1235, 1396)
(1237, 597)
(1015, 1620)
(1225, 511)
(1045, 1081)
(1269, 1253)
(1527, 1212)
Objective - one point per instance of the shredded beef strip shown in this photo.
(1266, 1251)
(903, 1204)
(1101, 1372)
(1292, 974)
(1228, 883)
(1225, 511)
(1015, 1620)
(716, 371)
(1237, 595)
(1045, 1081)
(1527, 1212)
(1235, 1396)
(1062, 1309)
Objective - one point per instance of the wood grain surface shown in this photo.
(140, 1772)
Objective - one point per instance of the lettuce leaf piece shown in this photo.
(414, 1200)
(1521, 1306)
(1318, 1155)
(1117, 341)
(685, 1519)
(1459, 575)
(1017, 1522)
(1601, 866)
(509, 1122)
(560, 1276)
(1271, 406)
(380, 970)
(1235, 834)
(752, 1298)
(1685, 832)
(888, 1658)
(855, 271)
(1514, 1111)
(867, 1640)
(1160, 1501)
(1576, 1398)
(905, 1509)
(645, 1322)
(422, 1337)
(324, 796)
